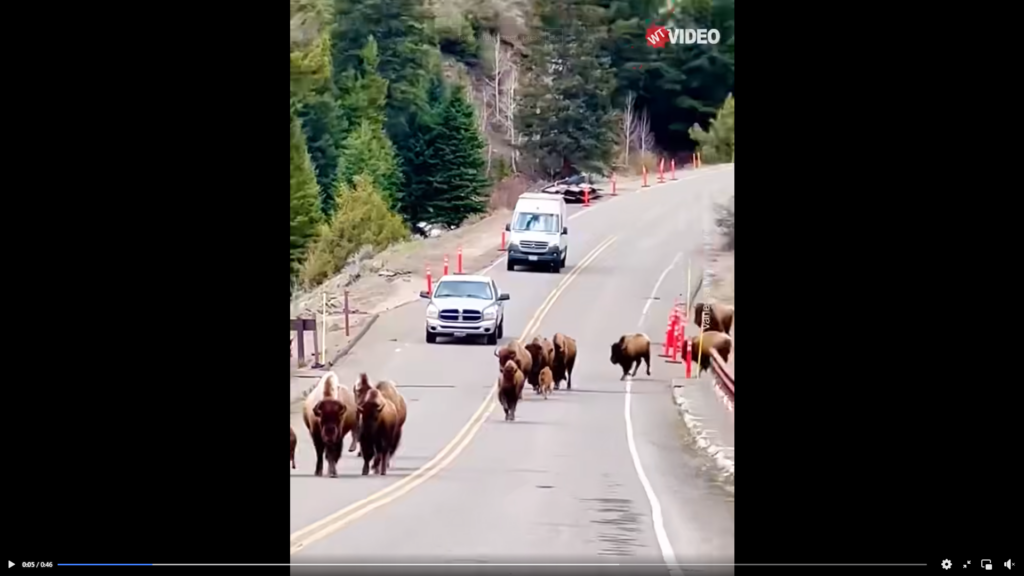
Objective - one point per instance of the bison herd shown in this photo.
(374, 414)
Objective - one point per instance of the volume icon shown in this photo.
(1009, 564)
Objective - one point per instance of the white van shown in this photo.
(539, 235)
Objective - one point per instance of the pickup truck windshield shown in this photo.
(460, 289)
(526, 221)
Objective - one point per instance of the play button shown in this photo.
(10, 564)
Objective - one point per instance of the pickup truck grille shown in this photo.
(533, 246)
(452, 315)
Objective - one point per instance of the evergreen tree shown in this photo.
(459, 180)
(718, 144)
(368, 151)
(407, 50)
(362, 219)
(324, 129)
(566, 114)
(362, 91)
(305, 211)
(420, 159)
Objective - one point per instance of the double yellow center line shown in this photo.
(331, 524)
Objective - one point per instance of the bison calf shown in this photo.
(719, 317)
(378, 421)
(294, 442)
(630, 350)
(541, 352)
(510, 388)
(329, 413)
(702, 347)
(563, 359)
(547, 382)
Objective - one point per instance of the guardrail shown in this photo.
(723, 378)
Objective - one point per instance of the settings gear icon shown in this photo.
(947, 564)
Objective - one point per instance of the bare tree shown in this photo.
(628, 121)
(499, 96)
(642, 134)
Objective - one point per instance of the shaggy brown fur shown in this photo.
(361, 388)
(717, 341)
(390, 391)
(510, 388)
(630, 350)
(719, 316)
(547, 382)
(541, 352)
(563, 359)
(514, 351)
(379, 423)
(294, 442)
(329, 413)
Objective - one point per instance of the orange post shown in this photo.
(645, 176)
(613, 185)
(445, 265)
(677, 336)
(430, 282)
(661, 170)
(673, 168)
(460, 259)
(586, 197)
(502, 249)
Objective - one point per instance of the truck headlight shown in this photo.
(431, 311)
(490, 314)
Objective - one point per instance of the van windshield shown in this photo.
(526, 221)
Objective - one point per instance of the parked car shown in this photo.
(462, 306)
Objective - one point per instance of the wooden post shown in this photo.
(346, 313)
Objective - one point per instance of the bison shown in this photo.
(547, 381)
(379, 422)
(630, 350)
(718, 341)
(294, 442)
(329, 413)
(514, 350)
(541, 352)
(720, 317)
(563, 359)
(510, 388)
(390, 391)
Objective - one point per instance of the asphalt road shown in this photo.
(563, 483)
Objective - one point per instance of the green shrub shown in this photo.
(718, 144)
(362, 218)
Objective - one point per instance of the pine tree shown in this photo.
(718, 144)
(324, 128)
(361, 219)
(407, 51)
(305, 211)
(566, 115)
(367, 151)
(362, 91)
(420, 157)
(459, 181)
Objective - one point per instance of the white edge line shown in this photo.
(657, 285)
(667, 552)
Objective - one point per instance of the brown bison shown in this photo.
(563, 359)
(390, 391)
(329, 413)
(541, 353)
(379, 421)
(510, 388)
(294, 442)
(717, 341)
(719, 317)
(547, 382)
(514, 350)
(630, 350)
